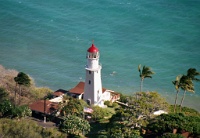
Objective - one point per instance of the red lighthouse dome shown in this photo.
(93, 49)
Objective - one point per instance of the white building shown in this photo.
(93, 84)
(91, 90)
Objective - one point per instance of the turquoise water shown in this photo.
(48, 40)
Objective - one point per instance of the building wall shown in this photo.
(93, 86)
(106, 96)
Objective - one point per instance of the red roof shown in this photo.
(93, 49)
(39, 106)
(79, 88)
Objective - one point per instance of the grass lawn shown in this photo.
(99, 128)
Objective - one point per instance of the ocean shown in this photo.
(49, 39)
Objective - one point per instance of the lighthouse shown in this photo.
(93, 84)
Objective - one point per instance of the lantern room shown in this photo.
(93, 52)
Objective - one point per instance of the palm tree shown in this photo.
(21, 79)
(192, 73)
(144, 73)
(177, 86)
(186, 84)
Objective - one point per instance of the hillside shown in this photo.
(28, 94)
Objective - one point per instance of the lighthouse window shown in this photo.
(89, 82)
(89, 72)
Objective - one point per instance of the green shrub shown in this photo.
(167, 122)
(186, 110)
(74, 125)
(3, 94)
(114, 105)
(26, 129)
(40, 92)
(99, 113)
(171, 135)
(7, 109)
(108, 103)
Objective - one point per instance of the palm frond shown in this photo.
(186, 83)
(146, 72)
(192, 73)
(139, 66)
(147, 76)
(177, 82)
(178, 77)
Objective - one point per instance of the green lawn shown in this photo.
(99, 128)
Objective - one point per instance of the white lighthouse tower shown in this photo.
(93, 84)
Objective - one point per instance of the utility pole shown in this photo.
(45, 109)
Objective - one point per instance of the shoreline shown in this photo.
(189, 100)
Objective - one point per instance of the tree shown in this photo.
(177, 86)
(144, 73)
(147, 103)
(186, 84)
(166, 123)
(73, 107)
(122, 124)
(3, 94)
(21, 111)
(21, 79)
(74, 125)
(7, 109)
(39, 93)
(123, 98)
(192, 73)
(171, 135)
(129, 119)
(99, 113)
(186, 110)
(24, 128)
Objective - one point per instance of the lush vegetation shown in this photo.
(73, 125)
(133, 119)
(26, 129)
(137, 119)
(3, 94)
(185, 82)
(17, 90)
(20, 87)
(7, 109)
(168, 122)
(128, 120)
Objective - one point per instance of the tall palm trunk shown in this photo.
(182, 100)
(175, 101)
(141, 84)
(15, 94)
(19, 94)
